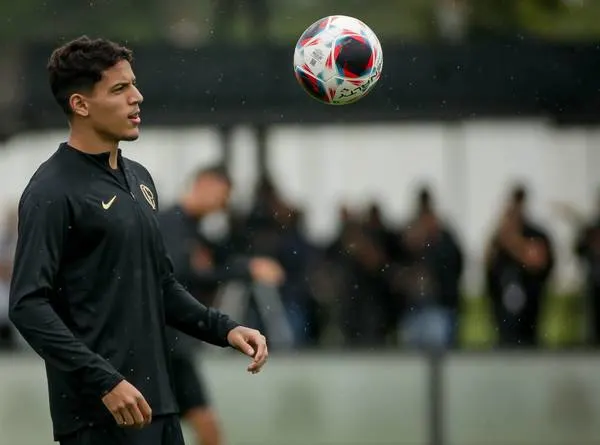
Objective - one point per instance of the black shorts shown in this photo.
(188, 384)
(164, 430)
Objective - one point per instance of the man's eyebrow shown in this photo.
(123, 83)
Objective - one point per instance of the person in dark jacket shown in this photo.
(93, 288)
(519, 262)
(430, 270)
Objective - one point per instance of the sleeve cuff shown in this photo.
(109, 384)
(228, 326)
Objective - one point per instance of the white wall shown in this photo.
(363, 399)
(469, 166)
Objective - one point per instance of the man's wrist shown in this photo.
(230, 326)
(111, 383)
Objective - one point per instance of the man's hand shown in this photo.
(267, 271)
(535, 254)
(252, 343)
(128, 406)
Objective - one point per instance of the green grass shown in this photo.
(561, 322)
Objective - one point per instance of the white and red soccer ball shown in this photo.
(338, 60)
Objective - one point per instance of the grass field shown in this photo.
(561, 323)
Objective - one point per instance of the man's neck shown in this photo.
(93, 145)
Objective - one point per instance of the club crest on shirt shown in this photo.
(148, 195)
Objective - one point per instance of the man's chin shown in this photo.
(132, 136)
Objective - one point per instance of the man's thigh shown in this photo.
(164, 430)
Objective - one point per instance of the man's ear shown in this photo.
(79, 105)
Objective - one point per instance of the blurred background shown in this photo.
(440, 238)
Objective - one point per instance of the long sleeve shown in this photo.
(187, 314)
(42, 233)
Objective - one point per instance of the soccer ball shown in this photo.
(338, 60)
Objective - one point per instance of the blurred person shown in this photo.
(519, 262)
(199, 269)
(298, 258)
(8, 241)
(273, 228)
(328, 283)
(93, 288)
(364, 312)
(587, 249)
(346, 220)
(376, 225)
(429, 280)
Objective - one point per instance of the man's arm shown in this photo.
(44, 221)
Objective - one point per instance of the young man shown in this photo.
(93, 288)
(202, 268)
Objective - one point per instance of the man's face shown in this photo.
(214, 192)
(112, 107)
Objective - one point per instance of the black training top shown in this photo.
(93, 287)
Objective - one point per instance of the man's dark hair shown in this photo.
(219, 171)
(424, 200)
(78, 66)
(519, 194)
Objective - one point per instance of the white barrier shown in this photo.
(522, 400)
(334, 399)
(316, 400)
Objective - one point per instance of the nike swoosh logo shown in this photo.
(106, 205)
